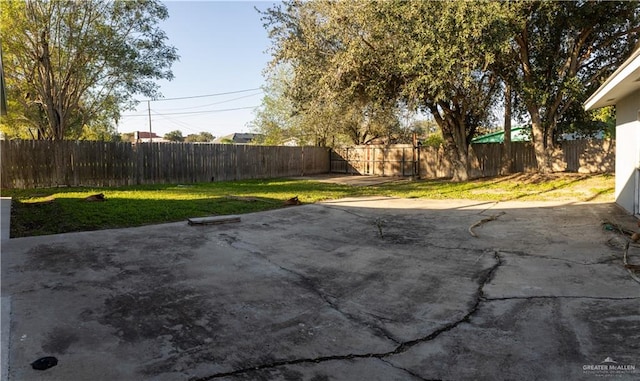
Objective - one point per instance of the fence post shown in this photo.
(417, 164)
(139, 156)
(373, 161)
(303, 164)
(346, 163)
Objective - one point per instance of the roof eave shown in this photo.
(625, 80)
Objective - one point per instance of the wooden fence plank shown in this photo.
(27, 164)
(588, 156)
(30, 163)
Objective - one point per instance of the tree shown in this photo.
(174, 136)
(507, 155)
(128, 137)
(562, 51)
(332, 97)
(358, 64)
(587, 124)
(70, 65)
(277, 120)
(446, 50)
(202, 137)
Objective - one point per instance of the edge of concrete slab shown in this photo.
(5, 301)
(5, 323)
(5, 217)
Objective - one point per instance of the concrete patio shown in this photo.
(353, 289)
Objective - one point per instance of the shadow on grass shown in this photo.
(63, 215)
(552, 189)
(516, 186)
(443, 187)
(600, 193)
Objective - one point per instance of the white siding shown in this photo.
(627, 193)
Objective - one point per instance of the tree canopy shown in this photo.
(174, 136)
(355, 66)
(75, 65)
(561, 53)
(276, 119)
(202, 137)
(329, 97)
(449, 48)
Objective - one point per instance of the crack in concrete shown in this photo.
(525, 254)
(326, 298)
(413, 374)
(560, 297)
(343, 210)
(479, 296)
(276, 364)
(317, 360)
(485, 278)
(402, 347)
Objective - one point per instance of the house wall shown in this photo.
(627, 194)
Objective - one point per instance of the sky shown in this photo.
(223, 50)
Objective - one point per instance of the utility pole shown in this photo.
(149, 111)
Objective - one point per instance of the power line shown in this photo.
(175, 122)
(202, 96)
(214, 103)
(194, 112)
(207, 112)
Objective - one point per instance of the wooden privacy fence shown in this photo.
(583, 156)
(33, 163)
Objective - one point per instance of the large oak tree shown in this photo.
(368, 60)
(561, 52)
(444, 54)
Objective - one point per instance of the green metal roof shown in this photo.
(518, 134)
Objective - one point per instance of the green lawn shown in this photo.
(58, 210)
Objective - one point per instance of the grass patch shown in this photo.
(524, 187)
(60, 210)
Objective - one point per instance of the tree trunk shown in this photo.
(460, 152)
(539, 141)
(507, 156)
(459, 162)
(454, 133)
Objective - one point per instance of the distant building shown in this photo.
(518, 134)
(237, 138)
(146, 137)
